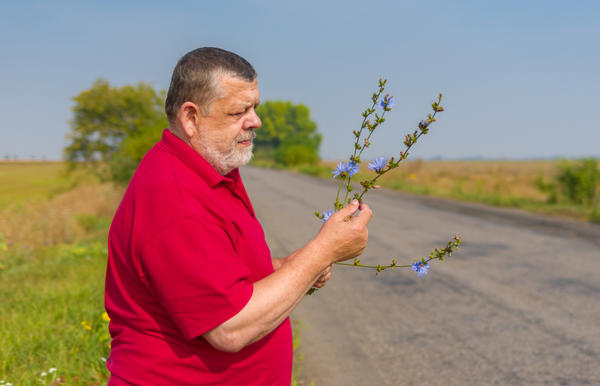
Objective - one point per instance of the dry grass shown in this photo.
(41, 206)
(447, 178)
(500, 183)
(65, 218)
(506, 178)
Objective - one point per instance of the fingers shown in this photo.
(365, 214)
(349, 209)
(325, 276)
(344, 235)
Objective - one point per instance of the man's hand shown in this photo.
(344, 236)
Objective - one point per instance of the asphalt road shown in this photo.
(518, 304)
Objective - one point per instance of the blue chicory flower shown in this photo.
(352, 169)
(420, 268)
(378, 164)
(327, 214)
(340, 168)
(386, 101)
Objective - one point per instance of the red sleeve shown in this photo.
(197, 275)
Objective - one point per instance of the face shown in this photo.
(224, 136)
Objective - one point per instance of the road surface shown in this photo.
(518, 304)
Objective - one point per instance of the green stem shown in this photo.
(362, 148)
(400, 159)
(362, 126)
(436, 254)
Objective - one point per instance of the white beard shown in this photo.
(226, 162)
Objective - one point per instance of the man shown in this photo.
(192, 292)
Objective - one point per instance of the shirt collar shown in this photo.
(194, 161)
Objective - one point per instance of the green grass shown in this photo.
(24, 181)
(53, 295)
(297, 373)
(52, 306)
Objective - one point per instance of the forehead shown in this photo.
(239, 91)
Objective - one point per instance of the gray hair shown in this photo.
(196, 78)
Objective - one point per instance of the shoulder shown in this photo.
(161, 177)
(156, 193)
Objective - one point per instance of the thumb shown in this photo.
(349, 209)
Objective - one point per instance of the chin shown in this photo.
(234, 160)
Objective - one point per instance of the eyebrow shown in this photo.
(245, 105)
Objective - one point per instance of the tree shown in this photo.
(113, 127)
(287, 135)
(579, 181)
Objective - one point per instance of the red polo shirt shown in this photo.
(184, 250)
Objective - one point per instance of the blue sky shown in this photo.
(520, 78)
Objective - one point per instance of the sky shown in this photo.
(520, 78)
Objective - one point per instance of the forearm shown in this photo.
(278, 262)
(273, 299)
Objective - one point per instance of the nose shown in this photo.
(253, 121)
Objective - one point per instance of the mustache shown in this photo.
(245, 137)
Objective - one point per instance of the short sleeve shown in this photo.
(197, 275)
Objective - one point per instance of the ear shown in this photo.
(188, 118)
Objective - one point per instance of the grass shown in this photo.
(53, 232)
(298, 377)
(30, 181)
(52, 316)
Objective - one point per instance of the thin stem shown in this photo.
(363, 146)
(435, 254)
(370, 112)
(401, 157)
(373, 266)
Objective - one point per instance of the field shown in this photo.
(29, 181)
(52, 262)
(514, 184)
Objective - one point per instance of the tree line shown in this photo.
(113, 127)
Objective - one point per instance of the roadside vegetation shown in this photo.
(52, 261)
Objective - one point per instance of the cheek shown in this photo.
(221, 137)
(216, 136)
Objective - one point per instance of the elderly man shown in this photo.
(193, 294)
